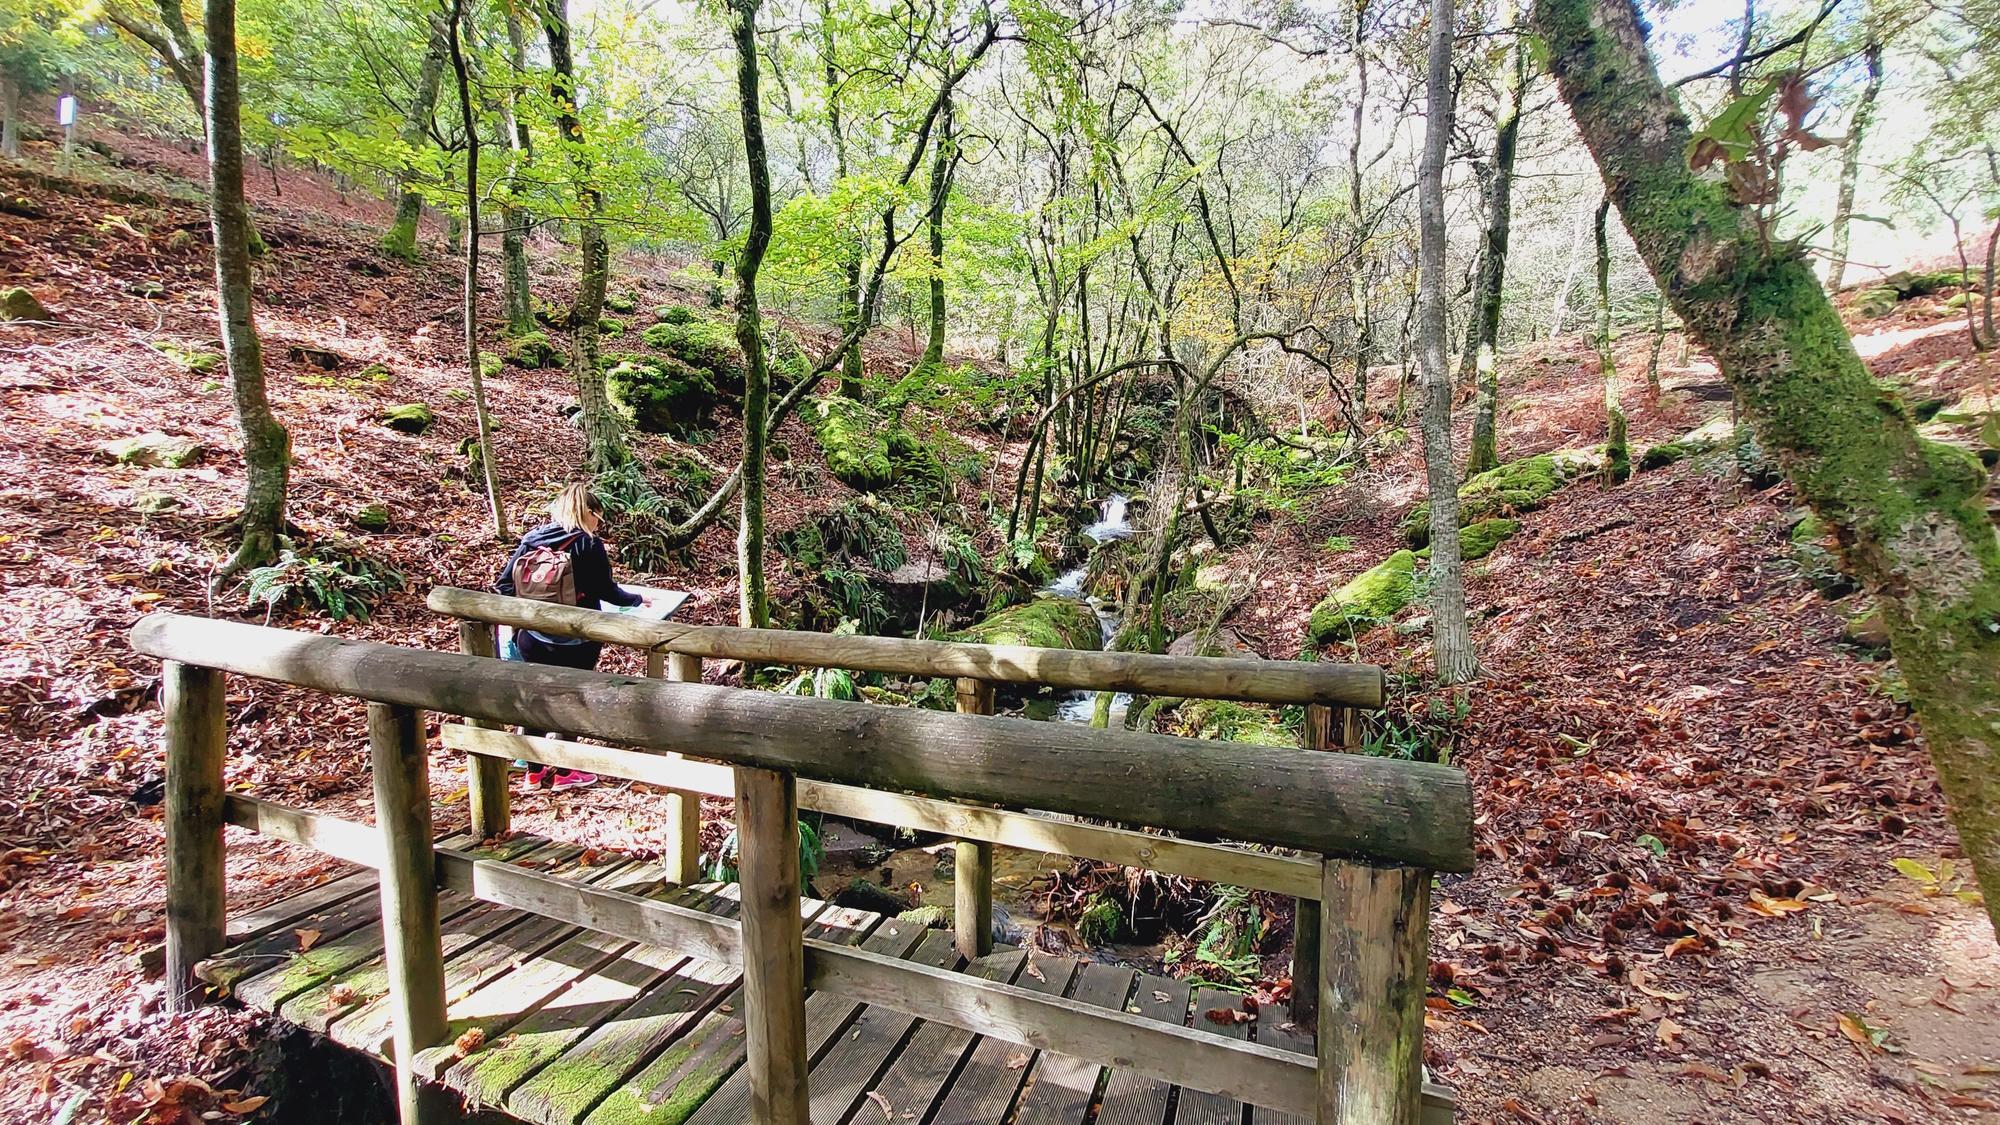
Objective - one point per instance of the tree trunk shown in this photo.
(850, 306)
(1451, 637)
(516, 290)
(1364, 342)
(1617, 458)
(267, 447)
(1484, 334)
(603, 432)
(401, 239)
(10, 117)
(941, 166)
(1659, 345)
(1906, 511)
(1850, 165)
(754, 608)
(488, 456)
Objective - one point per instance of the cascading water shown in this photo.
(1111, 525)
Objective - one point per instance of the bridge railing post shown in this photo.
(1326, 728)
(682, 855)
(972, 868)
(486, 778)
(197, 917)
(774, 1018)
(1375, 961)
(412, 949)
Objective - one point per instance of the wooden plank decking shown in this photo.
(559, 1025)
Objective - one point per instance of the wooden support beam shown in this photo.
(486, 793)
(774, 989)
(1345, 804)
(1264, 1075)
(1203, 677)
(1318, 735)
(1297, 876)
(972, 861)
(682, 856)
(197, 735)
(412, 950)
(1376, 955)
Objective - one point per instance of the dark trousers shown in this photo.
(581, 656)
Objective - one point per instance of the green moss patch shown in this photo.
(409, 418)
(705, 345)
(1042, 623)
(17, 303)
(1517, 486)
(532, 350)
(195, 360)
(155, 450)
(1480, 539)
(1367, 600)
(855, 440)
(1224, 721)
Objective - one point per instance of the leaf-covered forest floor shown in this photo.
(1690, 788)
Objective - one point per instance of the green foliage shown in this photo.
(1100, 921)
(812, 854)
(339, 580)
(1338, 544)
(1225, 952)
(675, 314)
(855, 440)
(857, 530)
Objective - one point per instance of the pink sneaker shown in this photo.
(573, 779)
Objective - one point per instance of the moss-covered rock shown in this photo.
(610, 326)
(409, 418)
(1367, 600)
(1224, 721)
(705, 345)
(675, 314)
(855, 439)
(659, 395)
(1517, 486)
(1042, 623)
(17, 303)
(1478, 540)
(625, 302)
(371, 517)
(489, 365)
(1876, 300)
(533, 350)
(155, 451)
(153, 503)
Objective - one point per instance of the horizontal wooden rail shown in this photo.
(1257, 681)
(1267, 871)
(1334, 804)
(1192, 1057)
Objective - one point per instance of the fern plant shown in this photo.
(341, 582)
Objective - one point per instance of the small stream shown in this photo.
(923, 875)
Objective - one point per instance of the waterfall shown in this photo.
(1111, 524)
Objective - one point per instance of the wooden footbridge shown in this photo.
(518, 973)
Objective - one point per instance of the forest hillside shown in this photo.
(1715, 878)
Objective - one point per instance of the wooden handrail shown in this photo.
(1337, 805)
(1201, 677)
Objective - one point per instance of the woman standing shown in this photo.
(563, 561)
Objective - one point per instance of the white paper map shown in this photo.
(660, 604)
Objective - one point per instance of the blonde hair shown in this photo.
(574, 508)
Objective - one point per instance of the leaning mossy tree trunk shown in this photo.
(1906, 511)
(754, 606)
(1485, 330)
(488, 456)
(942, 161)
(401, 239)
(1451, 636)
(850, 304)
(1617, 454)
(267, 446)
(603, 430)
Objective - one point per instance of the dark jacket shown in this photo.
(588, 563)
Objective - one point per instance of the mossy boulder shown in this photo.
(622, 302)
(155, 451)
(1041, 623)
(1517, 486)
(1707, 437)
(705, 345)
(1367, 600)
(154, 503)
(675, 314)
(1479, 540)
(855, 439)
(659, 395)
(1224, 721)
(17, 303)
(532, 350)
(1876, 300)
(409, 418)
(371, 517)
(610, 326)
(489, 365)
